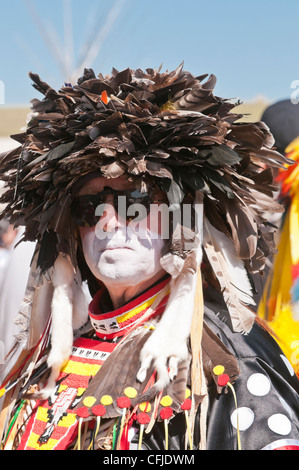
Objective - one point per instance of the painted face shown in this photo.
(119, 251)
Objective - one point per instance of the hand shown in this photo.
(165, 350)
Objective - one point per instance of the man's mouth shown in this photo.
(113, 248)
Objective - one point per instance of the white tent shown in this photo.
(70, 61)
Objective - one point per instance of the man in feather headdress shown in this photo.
(169, 354)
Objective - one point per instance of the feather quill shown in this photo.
(232, 277)
(69, 310)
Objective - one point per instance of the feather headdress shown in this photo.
(168, 128)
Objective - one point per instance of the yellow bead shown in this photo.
(2, 392)
(145, 406)
(187, 393)
(89, 401)
(166, 401)
(106, 400)
(130, 392)
(218, 370)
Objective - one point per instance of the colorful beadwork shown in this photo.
(112, 324)
(123, 402)
(186, 405)
(82, 412)
(166, 412)
(89, 401)
(143, 418)
(218, 370)
(106, 400)
(166, 401)
(130, 392)
(223, 380)
(53, 424)
(98, 410)
(145, 406)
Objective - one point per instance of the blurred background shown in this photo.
(252, 47)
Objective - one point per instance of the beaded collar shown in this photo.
(117, 322)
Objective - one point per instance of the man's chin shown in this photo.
(121, 279)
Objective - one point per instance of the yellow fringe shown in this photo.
(287, 331)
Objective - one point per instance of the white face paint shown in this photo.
(125, 257)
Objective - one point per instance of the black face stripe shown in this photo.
(83, 208)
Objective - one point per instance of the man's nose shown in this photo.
(110, 220)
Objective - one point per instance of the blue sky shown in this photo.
(250, 45)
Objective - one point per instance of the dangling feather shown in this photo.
(61, 315)
(64, 316)
(81, 299)
(162, 346)
(244, 229)
(232, 277)
(215, 353)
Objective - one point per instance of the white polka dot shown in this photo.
(280, 424)
(258, 385)
(288, 364)
(246, 418)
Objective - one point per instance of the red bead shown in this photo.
(82, 412)
(166, 413)
(186, 405)
(223, 380)
(143, 418)
(98, 410)
(123, 402)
